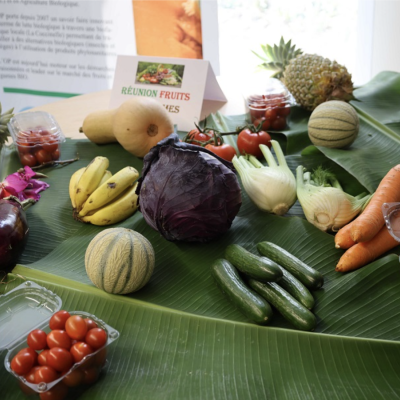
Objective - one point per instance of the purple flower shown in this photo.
(21, 185)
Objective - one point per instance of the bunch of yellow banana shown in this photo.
(101, 198)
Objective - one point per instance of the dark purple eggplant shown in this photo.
(14, 231)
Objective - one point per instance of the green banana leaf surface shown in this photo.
(180, 338)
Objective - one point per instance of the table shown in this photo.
(182, 340)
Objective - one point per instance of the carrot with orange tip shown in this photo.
(370, 221)
(343, 238)
(364, 253)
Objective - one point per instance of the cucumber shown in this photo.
(294, 312)
(294, 287)
(251, 304)
(257, 267)
(310, 277)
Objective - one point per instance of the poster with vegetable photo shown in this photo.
(161, 74)
(168, 28)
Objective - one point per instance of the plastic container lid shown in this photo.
(22, 125)
(267, 90)
(24, 308)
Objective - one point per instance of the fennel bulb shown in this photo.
(272, 188)
(324, 202)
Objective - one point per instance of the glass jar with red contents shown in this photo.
(37, 137)
(268, 102)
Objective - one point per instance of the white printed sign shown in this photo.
(179, 84)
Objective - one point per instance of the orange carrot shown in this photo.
(364, 253)
(343, 238)
(370, 221)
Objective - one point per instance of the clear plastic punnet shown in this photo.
(269, 102)
(37, 137)
(30, 306)
(391, 214)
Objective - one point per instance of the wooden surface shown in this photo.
(71, 112)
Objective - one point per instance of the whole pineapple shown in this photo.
(310, 78)
(4, 119)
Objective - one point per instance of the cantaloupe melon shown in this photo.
(333, 124)
(119, 260)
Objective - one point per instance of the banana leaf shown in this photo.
(180, 338)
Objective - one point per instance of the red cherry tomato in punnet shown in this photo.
(37, 339)
(225, 151)
(76, 327)
(23, 362)
(57, 321)
(58, 338)
(57, 392)
(42, 357)
(46, 374)
(96, 338)
(80, 350)
(90, 324)
(60, 359)
(248, 142)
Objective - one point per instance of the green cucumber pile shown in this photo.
(256, 283)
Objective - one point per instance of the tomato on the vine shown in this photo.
(248, 142)
(225, 151)
(197, 136)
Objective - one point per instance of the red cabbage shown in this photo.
(186, 192)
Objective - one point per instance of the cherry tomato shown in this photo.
(60, 359)
(22, 362)
(90, 375)
(57, 392)
(42, 156)
(74, 378)
(80, 350)
(57, 320)
(46, 374)
(50, 146)
(76, 327)
(283, 110)
(271, 113)
(28, 160)
(256, 111)
(266, 123)
(37, 339)
(23, 146)
(31, 352)
(278, 124)
(96, 338)
(225, 151)
(55, 155)
(90, 324)
(30, 376)
(248, 142)
(100, 357)
(195, 134)
(42, 357)
(58, 338)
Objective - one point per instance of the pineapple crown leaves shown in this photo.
(4, 119)
(277, 57)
